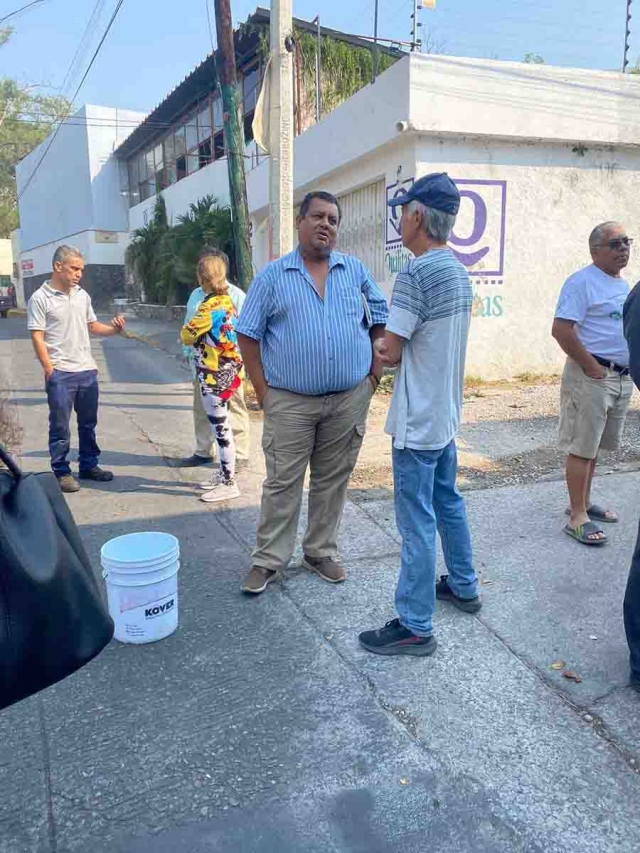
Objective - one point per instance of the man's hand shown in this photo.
(118, 323)
(48, 371)
(381, 353)
(261, 393)
(595, 372)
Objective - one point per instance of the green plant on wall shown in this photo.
(344, 68)
(162, 257)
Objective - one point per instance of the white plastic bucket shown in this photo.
(141, 571)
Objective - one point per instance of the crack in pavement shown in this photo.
(46, 758)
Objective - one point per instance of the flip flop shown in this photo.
(582, 531)
(597, 513)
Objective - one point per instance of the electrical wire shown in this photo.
(213, 47)
(84, 77)
(85, 41)
(21, 9)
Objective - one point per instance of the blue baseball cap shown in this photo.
(436, 190)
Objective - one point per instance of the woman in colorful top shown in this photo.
(218, 363)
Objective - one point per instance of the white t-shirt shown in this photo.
(431, 309)
(595, 301)
(64, 318)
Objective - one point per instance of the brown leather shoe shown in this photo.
(68, 483)
(326, 567)
(257, 579)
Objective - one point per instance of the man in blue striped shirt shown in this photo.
(306, 334)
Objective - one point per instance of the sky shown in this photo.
(154, 44)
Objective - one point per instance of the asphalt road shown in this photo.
(261, 726)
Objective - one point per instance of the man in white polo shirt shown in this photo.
(59, 318)
(596, 386)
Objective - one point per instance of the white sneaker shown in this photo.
(221, 492)
(211, 483)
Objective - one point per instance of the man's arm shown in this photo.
(376, 333)
(564, 332)
(42, 352)
(388, 349)
(252, 359)
(103, 330)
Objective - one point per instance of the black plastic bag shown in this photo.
(52, 617)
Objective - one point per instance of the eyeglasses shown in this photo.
(616, 244)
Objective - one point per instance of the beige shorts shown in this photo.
(592, 411)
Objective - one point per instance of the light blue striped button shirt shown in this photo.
(310, 345)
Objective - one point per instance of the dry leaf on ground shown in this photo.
(572, 676)
(558, 664)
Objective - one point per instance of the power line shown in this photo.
(85, 41)
(213, 47)
(21, 9)
(84, 77)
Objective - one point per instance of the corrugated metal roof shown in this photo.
(202, 80)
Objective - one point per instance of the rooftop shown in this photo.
(201, 80)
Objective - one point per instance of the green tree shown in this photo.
(162, 258)
(533, 59)
(205, 224)
(26, 118)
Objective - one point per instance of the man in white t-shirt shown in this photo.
(596, 386)
(427, 334)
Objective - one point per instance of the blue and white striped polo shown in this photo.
(311, 345)
(431, 310)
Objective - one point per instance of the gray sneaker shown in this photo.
(68, 483)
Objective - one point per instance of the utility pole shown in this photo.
(281, 129)
(627, 33)
(375, 43)
(415, 41)
(234, 137)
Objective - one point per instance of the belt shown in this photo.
(623, 371)
(298, 394)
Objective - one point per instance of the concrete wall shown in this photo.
(540, 155)
(453, 96)
(6, 257)
(56, 202)
(77, 197)
(526, 214)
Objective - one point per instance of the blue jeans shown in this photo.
(65, 392)
(426, 500)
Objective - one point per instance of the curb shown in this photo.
(17, 312)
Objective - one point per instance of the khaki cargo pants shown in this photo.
(326, 434)
(240, 424)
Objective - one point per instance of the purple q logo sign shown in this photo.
(479, 235)
(478, 240)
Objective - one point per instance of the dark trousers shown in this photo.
(67, 392)
(632, 612)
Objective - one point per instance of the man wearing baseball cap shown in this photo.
(426, 334)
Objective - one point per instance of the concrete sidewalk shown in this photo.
(261, 725)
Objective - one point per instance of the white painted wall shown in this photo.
(536, 134)
(57, 201)
(6, 258)
(76, 190)
(453, 95)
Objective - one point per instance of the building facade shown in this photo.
(76, 193)
(540, 155)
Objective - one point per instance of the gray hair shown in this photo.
(436, 223)
(63, 253)
(598, 233)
